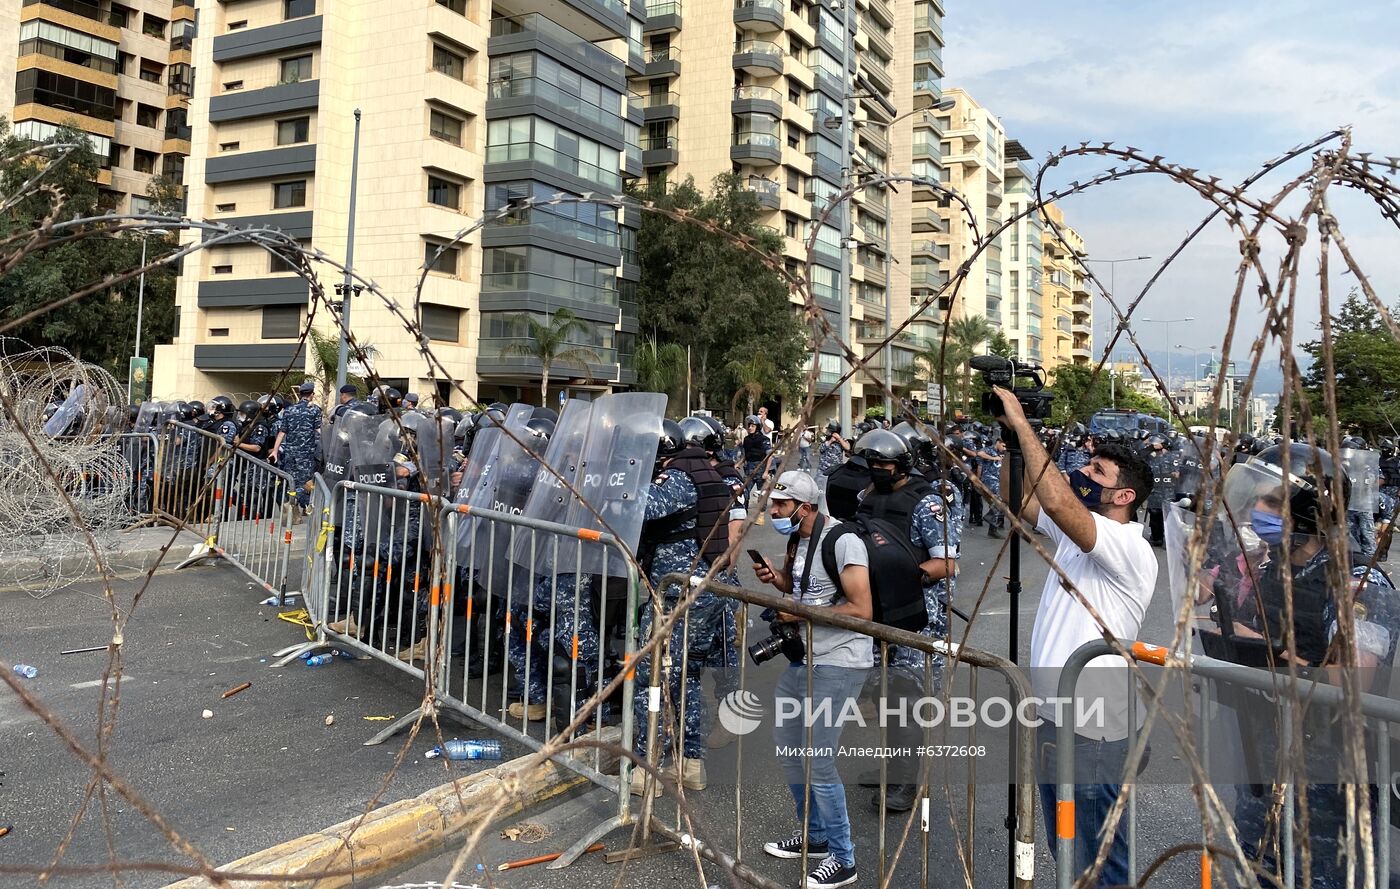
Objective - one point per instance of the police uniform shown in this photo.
(1162, 465)
(989, 471)
(672, 493)
(1073, 457)
(301, 424)
(829, 456)
(530, 646)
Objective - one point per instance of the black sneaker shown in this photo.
(792, 847)
(830, 874)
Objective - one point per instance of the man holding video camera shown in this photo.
(840, 661)
(1088, 517)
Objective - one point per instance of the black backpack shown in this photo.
(896, 580)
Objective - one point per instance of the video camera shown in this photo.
(1027, 381)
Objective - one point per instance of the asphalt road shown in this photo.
(1167, 811)
(264, 769)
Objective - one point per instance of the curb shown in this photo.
(399, 833)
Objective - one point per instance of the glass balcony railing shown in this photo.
(758, 94)
(553, 95)
(671, 7)
(539, 219)
(530, 151)
(771, 5)
(665, 54)
(761, 185)
(656, 143)
(563, 37)
(758, 48)
(497, 347)
(658, 100)
(559, 288)
(761, 140)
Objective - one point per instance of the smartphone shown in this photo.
(757, 557)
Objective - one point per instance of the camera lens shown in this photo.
(766, 650)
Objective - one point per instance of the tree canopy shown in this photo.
(102, 328)
(701, 290)
(1366, 370)
(1077, 398)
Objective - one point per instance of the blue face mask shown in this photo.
(1267, 525)
(1089, 492)
(785, 524)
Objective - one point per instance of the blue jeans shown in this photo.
(827, 820)
(1098, 769)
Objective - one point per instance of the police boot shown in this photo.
(532, 712)
(693, 774)
(639, 780)
(898, 797)
(993, 532)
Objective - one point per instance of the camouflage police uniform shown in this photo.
(670, 493)
(1073, 457)
(829, 456)
(531, 646)
(301, 424)
(1376, 613)
(989, 471)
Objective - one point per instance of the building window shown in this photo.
(296, 69)
(442, 323)
(445, 127)
(794, 181)
(144, 162)
(147, 116)
(444, 193)
(153, 27)
(295, 9)
(225, 208)
(67, 45)
(445, 61)
(278, 263)
(228, 146)
(223, 270)
(40, 87)
(289, 194)
(790, 227)
(457, 6)
(218, 331)
(445, 264)
(151, 71)
(290, 132)
(281, 322)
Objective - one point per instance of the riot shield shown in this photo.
(485, 444)
(478, 489)
(335, 448)
(550, 499)
(1363, 468)
(618, 463)
(68, 414)
(371, 461)
(146, 417)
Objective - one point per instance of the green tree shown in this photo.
(701, 290)
(1078, 394)
(548, 343)
(1366, 370)
(102, 328)
(964, 335)
(755, 375)
(660, 367)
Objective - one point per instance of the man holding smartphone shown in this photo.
(840, 660)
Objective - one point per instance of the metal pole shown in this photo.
(843, 399)
(140, 308)
(888, 357)
(347, 290)
(1013, 592)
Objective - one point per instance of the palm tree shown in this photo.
(755, 375)
(966, 334)
(325, 359)
(548, 343)
(659, 367)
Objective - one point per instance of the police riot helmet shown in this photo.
(672, 440)
(1109, 435)
(919, 444)
(882, 445)
(1298, 472)
(1354, 443)
(833, 426)
(247, 408)
(537, 433)
(499, 407)
(450, 413)
(183, 412)
(1157, 440)
(221, 404)
(1387, 446)
(1245, 442)
(544, 413)
(269, 405)
(465, 425)
(695, 431)
(196, 409)
(492, 417)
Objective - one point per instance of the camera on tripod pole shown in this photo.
(1026, 381)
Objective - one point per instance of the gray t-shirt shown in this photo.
(832, 646)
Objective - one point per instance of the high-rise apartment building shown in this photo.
(1024, 319)
(1067, 305)
(120, 72)
(466, 106)
(971, 149)
(757, 88)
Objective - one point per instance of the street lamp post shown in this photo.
(1113, 277)
(1167, 322)
(347, 289)
(141, 299)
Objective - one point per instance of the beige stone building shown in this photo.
(1067, 305)
(466, 105)
(119, 71)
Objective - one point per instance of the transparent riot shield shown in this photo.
(476, 472)
(335, 448)
(370, 457)
(146, 417)
(618, 463)
(1363, 468)
(69, 414)
(550, 499)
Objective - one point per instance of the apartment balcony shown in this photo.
(1085, 326)
(763, 149)
(663, 18)
(925, 219)
(929, 55)
(1081, 354)
(879, 38)
(663, 62)
(766, 190)
(828, 168)
(966, 158)
(880, 11)
(661, 106)
(878, 74)
(761, 58)
(493, 361)
(760, 16)
(659, 151)
(924, 280)
(757, 100)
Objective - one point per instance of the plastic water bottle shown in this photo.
(319, 659)
(459, 750)
(29, 672)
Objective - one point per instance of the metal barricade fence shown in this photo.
(187, 484)
(253, 520)
(893, 682)
(138, 450)
(1283, 693)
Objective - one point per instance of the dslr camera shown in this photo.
(1025, 380)
(786, 639)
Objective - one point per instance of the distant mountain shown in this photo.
(1186, 365)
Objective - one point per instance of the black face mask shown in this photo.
(883, 479)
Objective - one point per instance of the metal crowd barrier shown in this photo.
(1287, 694)
(187, 485)
(138, 450)
(962, 666)
(480, 599)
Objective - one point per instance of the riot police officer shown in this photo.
(297, 443)
(1162, 464)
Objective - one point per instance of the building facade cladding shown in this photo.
(557, 123)
(272, 116)
(116, 71)
(755, 88)
(1065, 293)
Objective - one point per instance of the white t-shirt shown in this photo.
(830, 645)
(1117, 578)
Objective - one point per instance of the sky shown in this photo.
(1221, 87)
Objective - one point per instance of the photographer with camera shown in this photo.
(1089, 519)
(840, 661)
